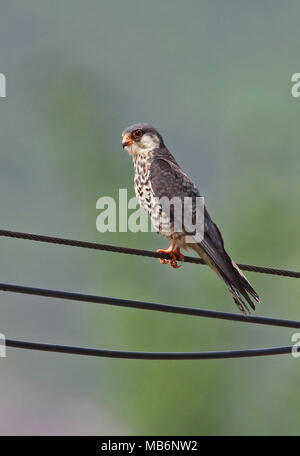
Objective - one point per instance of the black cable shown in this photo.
(146, 306)
(139, 252)
(149, 306)
(148, 355)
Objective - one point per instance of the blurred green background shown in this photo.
(214, 78)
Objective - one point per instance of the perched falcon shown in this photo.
(157, 175)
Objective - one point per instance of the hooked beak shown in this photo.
(126, 141)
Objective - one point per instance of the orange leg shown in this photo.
(179, 254)
(174, 254)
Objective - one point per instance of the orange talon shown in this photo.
(173, 254)
(162, 260)
(179, 254)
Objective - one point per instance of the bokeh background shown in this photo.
(214, 78)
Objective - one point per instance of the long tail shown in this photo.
(236, 282)
(240, 289)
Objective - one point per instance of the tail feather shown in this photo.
(243, 289)
(244, 281)
(240, 289)
(236, 282)
(240, 297)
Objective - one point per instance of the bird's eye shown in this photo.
(137, 133)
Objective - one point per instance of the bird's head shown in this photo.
(141, 138)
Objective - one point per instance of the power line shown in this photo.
(145, 306)
(149, 306)
(139, 252)
(148, 355)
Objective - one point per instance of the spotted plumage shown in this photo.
(157, 175)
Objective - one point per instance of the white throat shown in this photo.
(145, 146)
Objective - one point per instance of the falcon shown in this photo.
(157, 175)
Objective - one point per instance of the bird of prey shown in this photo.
(157, 175)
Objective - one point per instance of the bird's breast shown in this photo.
(142, 183)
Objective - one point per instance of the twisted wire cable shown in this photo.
(139, 252)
